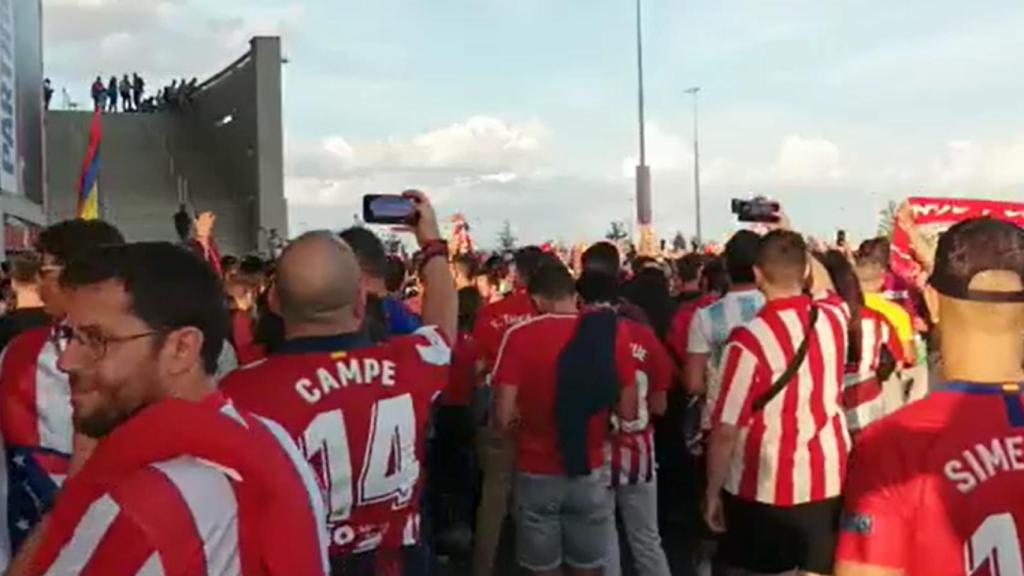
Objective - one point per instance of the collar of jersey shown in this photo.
(325, 344)
(978, 388)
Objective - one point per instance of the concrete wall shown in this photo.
(222, 153)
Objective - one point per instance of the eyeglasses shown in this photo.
(94, 342)
(48, 269)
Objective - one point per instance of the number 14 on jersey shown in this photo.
(390, 468)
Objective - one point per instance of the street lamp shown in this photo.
(696, 161)
(643, 172)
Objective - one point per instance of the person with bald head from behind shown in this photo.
(358, 409)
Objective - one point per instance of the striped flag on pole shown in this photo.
(88, 181)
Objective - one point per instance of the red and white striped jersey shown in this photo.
(359, 412)
(793, 451)
(35, 421)
(215, 496)
(631, 447)
(862, 392)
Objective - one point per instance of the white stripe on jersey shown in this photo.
(437, 352)
(211, 501)
(90, 530)
(152, 566)
(833, 380)
(53, 402)
(804, 384)
(316, 501)
(230, 410)
(771, 443)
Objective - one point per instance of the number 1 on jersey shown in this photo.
(994, 548)
(390, 467)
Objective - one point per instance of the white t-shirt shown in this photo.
(710, 329)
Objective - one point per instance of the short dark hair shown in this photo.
(395, 278)
(741, 255)
(874, 252)
(467, 264)
(527, 260)
(25, 267)
(252, 264)
(369, 251)
(602, 257)
(598, 287)
(553, 281)
(782, 257)
(689, 266)
(469, 304)
(64, 240)
(229, 263)
(169, 287)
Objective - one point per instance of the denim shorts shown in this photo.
(562, 521)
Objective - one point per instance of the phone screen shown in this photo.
(388, 209)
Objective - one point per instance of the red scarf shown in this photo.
(271, 494)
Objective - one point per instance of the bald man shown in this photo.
(358, 410)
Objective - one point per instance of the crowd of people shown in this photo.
(769, 408)
(130, 92)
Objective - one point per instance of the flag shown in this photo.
(88, 182)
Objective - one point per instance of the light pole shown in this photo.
(696, 162)
(643, 172)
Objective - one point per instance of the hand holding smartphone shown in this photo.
(390, 209)
(410, 209)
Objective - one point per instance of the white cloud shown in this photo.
(489, 148)
(807, 161)
(161, 40)
(666, 152)
(977, 167)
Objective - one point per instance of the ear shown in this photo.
(931, 299)
(183, 349)
(759, 276)
(359, 306)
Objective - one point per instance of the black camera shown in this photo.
(759, 210)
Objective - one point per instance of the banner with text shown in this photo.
(8, 101)
(933, 216)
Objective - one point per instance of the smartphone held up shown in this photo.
(389, 209)
(759, 210)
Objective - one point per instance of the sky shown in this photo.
(525, 110)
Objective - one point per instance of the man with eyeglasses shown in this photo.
(179, 481)
(35, 400)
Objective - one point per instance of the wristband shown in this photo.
(430, 250)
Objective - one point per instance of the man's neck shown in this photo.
(295, 331)
(690, 287)
(981, 357)
(27, 299)
(567, 307)
(194, 389)
(780, 292)
(743, 287)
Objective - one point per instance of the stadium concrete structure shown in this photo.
(222, 152)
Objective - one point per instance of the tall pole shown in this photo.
(640, 82)
(643, 173)
(696, 163)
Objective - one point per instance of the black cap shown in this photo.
(975, 246)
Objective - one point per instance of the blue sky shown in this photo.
(526, 109)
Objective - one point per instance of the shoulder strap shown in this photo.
(794, 364)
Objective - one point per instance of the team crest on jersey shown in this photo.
(856, 523)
